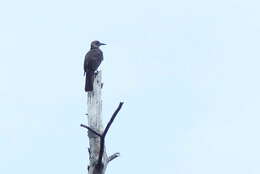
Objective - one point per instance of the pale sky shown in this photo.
(188, 72)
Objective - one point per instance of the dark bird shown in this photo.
(92, 61)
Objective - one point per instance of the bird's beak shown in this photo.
(102, 44)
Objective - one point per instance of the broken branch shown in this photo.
(82, 125)
(110, 158)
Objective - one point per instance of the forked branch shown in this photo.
(103, 135)
(102, 141)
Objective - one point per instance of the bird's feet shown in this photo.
(96, 73)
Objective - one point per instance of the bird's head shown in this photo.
(96, 44)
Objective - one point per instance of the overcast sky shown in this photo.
(188, 72)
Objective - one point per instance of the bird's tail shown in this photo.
(89, 81)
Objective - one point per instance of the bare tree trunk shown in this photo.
(97, 152)
(95, 122)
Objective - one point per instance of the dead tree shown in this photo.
(98, 158)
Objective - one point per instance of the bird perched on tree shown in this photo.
(92, 61)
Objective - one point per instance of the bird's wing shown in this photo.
(92, 60)
(86, 62)
(97, 60)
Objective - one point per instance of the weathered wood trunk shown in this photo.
(95, 122)
(98, 159)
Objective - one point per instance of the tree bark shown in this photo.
(95, 123)
(97, 152)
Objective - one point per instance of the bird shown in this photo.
(93, 59)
